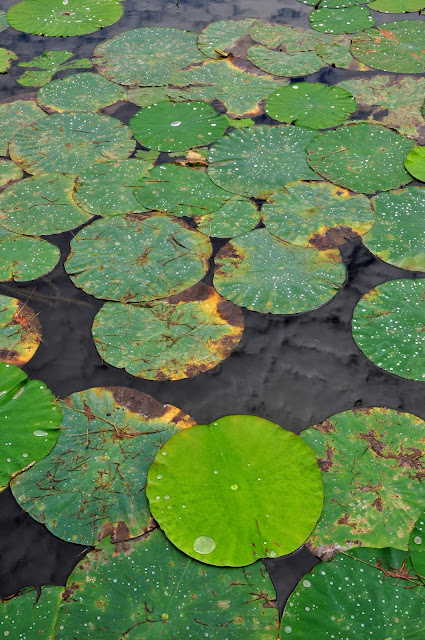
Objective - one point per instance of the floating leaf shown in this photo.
(50, 62)
(185, 599)
(20, 331)
(356, 592)
(313, 105)
(261, 272)
(70, 143)
(9, 172)
(52, 18)
(396, 6)
(398, 234)
(43, 204)
(80, 92)
(280, 63)
(13, 116)
(318, 214)
(146, 57)
(222, 36)
(240, 91)
(363, 157)
(170, 126)
(238, 216)
(332, 4)
(30, 614)
(131, 259)
(6, 59)
(393, 46)
(30, 419)
(145, 96)
(415, 163)
(97, 470)
(3, 21)
(23, 258)
(338, 54)
(348, 20)
(107, 190)
(372, 463)
(388, 327)
(258, 160)
(238, 460)
(417, 546)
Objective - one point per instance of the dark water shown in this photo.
(295, 370)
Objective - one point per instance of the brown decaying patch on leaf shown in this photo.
(31, 336)
(331, 238)
(143, 404)
(325, 427)
(326, 463)
(410, 458)
(68, 593)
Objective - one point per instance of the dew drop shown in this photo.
(272, 553)
(39, 432)
(234, 487)
(204, 545)
(417, 540)
(177, 123)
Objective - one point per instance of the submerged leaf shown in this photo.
(51, 62)
(79, 92)
(20, 331)
(14, 116)
(346, 20)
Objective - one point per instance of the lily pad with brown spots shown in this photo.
(79, 92)
(6, 59)
(219, 39)
(338, 54)
(9, 172)
(20, 331)
(15, 115)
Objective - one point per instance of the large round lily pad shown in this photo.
(258, 160)
(13, 116)
(313, 105)
(20, 331)
(347, 20)
(29, 417)
(367, 593)
(148, 588)
(25, 258)
(79, 92)
(363, 157)
(238, 216)
(92, 483)
(415, 163)
(63, 17)
(261, 272)
(9, 172)
(131, 259)
(30, 614)
(396, 6)
(171, 126)
(373, 465)
(146, 57)
(171, 339)
(237, 460)
(220, 37)
(316, 214)
(388, 327)
(394, 46)
(43, 204)
(417, 546)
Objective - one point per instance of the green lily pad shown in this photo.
(170, 339)
(145, 96)
(80, 92)
(108, 189)
(398, 234)
(146, 57)
(42, 204)
(221, 37)
(417, 546)
(237, 459)
(158, 592)
(170, 126)
(286, 38)
(23, 258)
(316, 214)
(366, 589)
(53, 18)
(332, 4)
(261, 272)
(30, 614)
(70, 143)
(3, 21)
(338, 54)
(181, 191)
(6, 59)
(372, 463)
(394, 46)
(131, 259)
(311, 104)
(388, 327)
(240, 91)
(415, 163)
(258, 160)
(347, 20)
(30, 419)
(396, 6)
(13, 116)
(9, 172)
(20, 331)
(280, 63)
(91, 485)
(362, 157)
(238, 216)
(49, 63)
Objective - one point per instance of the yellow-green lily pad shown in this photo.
(20, 331)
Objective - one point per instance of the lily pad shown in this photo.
(316, 214)
(113, 592)
(107, 190)
(238, 460)
(355, 592)
(49, 63)
(30, 418)
(145, 96)
(42, 204)
(280, 63)
(146, 57)
(417, 546)
(23, 258)
(53, 18)
(338, 54)
(415, 163)
(6, 59)
(347, 20)
(13, 116)
(362, 157)
(131, 259)
(396, 6)
(313, 105)
(9, 172)
(373, 464)
(30, 614)
(171, 339)
(70, 143)
(240, 91)
(181, 191)
(20, 331)
(388, 327)
(238, 216)
(394, 46)
(3, 21)
(80, 92)
(261, 272)
(398, 234)
(258, 160)
(170, 126)
(91, 485)
(221, 37)
(331, 4)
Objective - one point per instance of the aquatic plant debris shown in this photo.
(237, 459)
(47, 65)
(346, 20)
(20, 331)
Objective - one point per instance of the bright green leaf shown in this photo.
(396, 6)
(415, 163)
(347, 20)
(417, 546)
